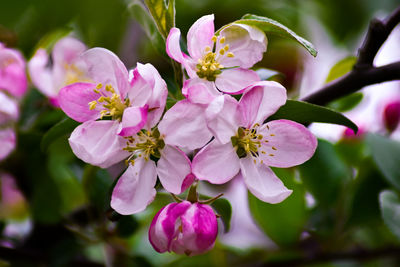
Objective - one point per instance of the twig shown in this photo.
(363, 73)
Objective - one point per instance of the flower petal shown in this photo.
(247, 43)
(199, 91)
(135, 188)
(184, 125)
(74, 101)
(199, 36)
(216, 163)
(12, 72)
(157, 237)
(174, 51)
(97, 143)
(7, 141)
(41, 75)
(8, 109)
(67, 50)
(262, 181)
(133, 120)
(105, 67)
(289, 143)
(172, 168)
(222, 118)
(261, 100)
(235, 81)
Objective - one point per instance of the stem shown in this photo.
(363, 73)
(192, 195)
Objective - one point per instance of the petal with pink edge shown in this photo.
(67, 49)
(133, 120)
(286, 143)
(104, 67)
(247, 43)
(222, 118)
(172, 169)
(97, 143)
(261, 100)
(174, 51)
(262, 181)
(235, 81)
(157, 237)
(41, 75)
(12, 72)
(7, 141)
(199, 36)
(74, 101)
(184, 125)
(216, 163)
(135, 188)
(199, 91)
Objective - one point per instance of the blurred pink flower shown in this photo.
(12, 71)
(67, 67)
(391, 115)
(8, 114)
(249, 145)
(217, 62)
(184, 228)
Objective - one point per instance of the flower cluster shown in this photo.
(209, 135)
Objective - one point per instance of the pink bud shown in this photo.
(184, 228)
(391, 115)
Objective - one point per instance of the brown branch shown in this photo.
(363, 73)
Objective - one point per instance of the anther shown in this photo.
(230, 54)
(226, 47)
(222, 40)
(274, 148)
(214, 39)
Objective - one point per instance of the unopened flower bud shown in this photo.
(391, 115)
(184, 228)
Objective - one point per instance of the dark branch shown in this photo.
(363, 73)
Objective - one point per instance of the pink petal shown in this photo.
(7, 141)
(247, 43)
(174, 51)
(40, 74)
(262, 181)
(97, 143)
(105, 67)
(216, 163)
(222, 118)
(157, 237)
(235, 81)
(67, 50)
(135, 188)
(8, 109)
(159, 92)
(133, 120)
(12, 72)
(74, 101)
(199, 231)
(199, 91)
(261, 100)
(289, 142)
(184, 125)
(172, 168)
(199, 36)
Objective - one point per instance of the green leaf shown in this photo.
(97, 183)
(341, 68)
(64, 127)
(390, 208)
(127, 226)
(283, 222)
(224, 209)
(139, 12)
(305, 113)
(386, 154)
(347, 103)
(272, 27)
(324, 174)
(48, 41)
(163, 14)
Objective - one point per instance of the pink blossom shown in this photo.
(391, 115)
(184, 228)
(243, 142)
(217, 62)
(66, 68)
(12, 71)
(8, 114)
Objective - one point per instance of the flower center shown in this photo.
(73, 74)
(113, 105)
(208, 66)
(145, 144)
